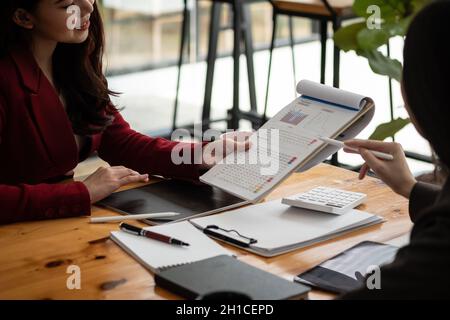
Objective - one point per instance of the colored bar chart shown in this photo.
(294, 117)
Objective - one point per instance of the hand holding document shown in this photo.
(289, 140)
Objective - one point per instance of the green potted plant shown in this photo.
(379, 21)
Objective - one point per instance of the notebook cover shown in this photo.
(171, 196)
(227, 274)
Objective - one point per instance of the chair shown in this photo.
(323, 11)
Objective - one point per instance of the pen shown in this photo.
(378, 154)
(134, 217)
(150, 234)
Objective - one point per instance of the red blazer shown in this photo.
(37, 145)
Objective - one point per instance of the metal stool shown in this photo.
(242, 35)
(323, 11)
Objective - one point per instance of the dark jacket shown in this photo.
(421, 270)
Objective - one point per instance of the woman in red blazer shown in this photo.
(55, 111)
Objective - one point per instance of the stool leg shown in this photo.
(248, 40)
(234, 121)
(336, 62)
(336, 56)
(323, 46)
(391, 100)
(184, 34)
(291, 43)
(211, 59)
(272, 46)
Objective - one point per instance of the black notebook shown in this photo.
(346, 271)
(225, 274)
(172, 196)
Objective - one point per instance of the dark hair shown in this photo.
(426, 74)
(78, 73)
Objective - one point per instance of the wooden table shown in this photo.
(34, 256)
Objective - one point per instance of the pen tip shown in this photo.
(185, 244)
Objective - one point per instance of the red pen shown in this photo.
(150, 234)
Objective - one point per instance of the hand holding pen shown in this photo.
(342, 144)
(394, 173)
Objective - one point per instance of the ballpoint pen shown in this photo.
(378, 154)
(150, 234)
(134, 217)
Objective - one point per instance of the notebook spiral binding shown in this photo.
(165, 268)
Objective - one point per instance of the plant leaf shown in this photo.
(345, 37)
(389, 129)
(371, 39)
(418, 5)
(383, 65)
(398, 28)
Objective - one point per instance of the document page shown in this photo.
(280, 146)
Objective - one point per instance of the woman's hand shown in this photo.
(215, 151)
(105, 181)
(395, 173)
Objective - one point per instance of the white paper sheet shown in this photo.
(275, 225)
(156, 254)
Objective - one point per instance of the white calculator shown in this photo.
(326, 199)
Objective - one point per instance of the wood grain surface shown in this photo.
(34, 256)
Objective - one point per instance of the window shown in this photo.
(143, 35)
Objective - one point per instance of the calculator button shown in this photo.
(333, 205)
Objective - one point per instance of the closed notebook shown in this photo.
(156, 255)
(227, 274)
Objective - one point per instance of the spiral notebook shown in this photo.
(226, 276)
(157, 256)
(290, 140)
